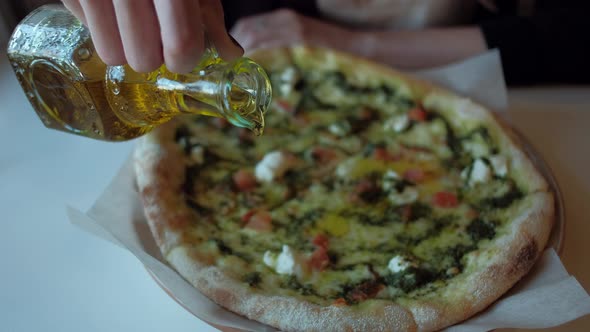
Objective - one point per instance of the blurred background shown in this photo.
(12, 11)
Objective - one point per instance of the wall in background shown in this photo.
(7, 20)
(12, 11)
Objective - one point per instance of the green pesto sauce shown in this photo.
(366, 231)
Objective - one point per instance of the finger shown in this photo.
(266, 41)
(102, 23)
(181, 32)
(139, 28)
(245, 31)
(248, 29)
(76, 9)
(246, 26)
(213, 20)
(261, 32)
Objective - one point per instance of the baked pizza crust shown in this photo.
(160, 172)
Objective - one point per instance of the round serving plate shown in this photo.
(556, 238)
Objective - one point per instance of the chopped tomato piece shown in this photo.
(339, 302)
(417, 114)
(413, 149)
(406, 213)
(366, 290)
(220, 123)
(260, 221)
(302, 120)
(246, 217)
(367, 114)
(321, 241)
(383, 155)
(288, 193)
(357, 296)
(245, 136)
(472, 214)
(353, 198)
(244, 180)
(322, 155)
(414, 175)
(368, 191)
(364, 186)
(284, 106)
(445, 199)
(319, 260)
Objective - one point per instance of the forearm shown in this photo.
(419, 48)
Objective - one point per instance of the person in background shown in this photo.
(540, 41)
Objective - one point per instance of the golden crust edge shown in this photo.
(155, 169)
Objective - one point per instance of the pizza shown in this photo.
(373, 202)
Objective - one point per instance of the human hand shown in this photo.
(285, 27)
(407, 49)
(147, 33)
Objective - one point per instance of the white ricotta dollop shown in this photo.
(390, 178)
(287, 80)
(283, 263)
(273, 166)
(198, 154)
(407, 196)
(500, 164)
(399, 263)
(397, 123)
(340, 129)
(345, 168)
(477, 148)
(480, 172)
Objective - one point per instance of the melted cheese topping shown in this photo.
(357, 196)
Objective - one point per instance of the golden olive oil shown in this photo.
(72, 90)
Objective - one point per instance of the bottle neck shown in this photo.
(239, 92)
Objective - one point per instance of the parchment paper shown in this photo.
(546, 297)
(480, 78)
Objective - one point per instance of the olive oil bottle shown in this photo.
(72, 90)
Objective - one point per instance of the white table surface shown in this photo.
(56, 277)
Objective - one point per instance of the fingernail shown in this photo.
(236, 42)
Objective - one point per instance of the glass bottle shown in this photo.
(72, 90)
